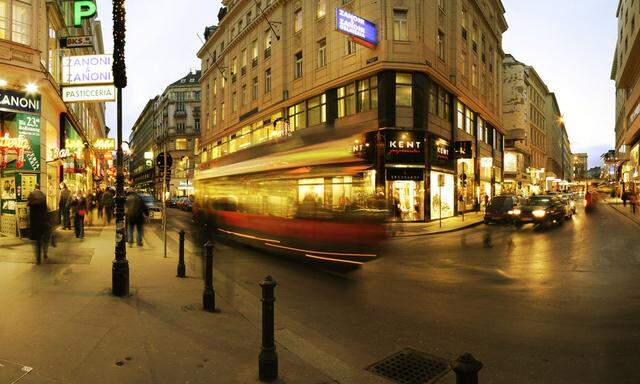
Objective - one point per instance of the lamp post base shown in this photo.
(120, 278)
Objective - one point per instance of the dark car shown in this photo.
(500, 209)
(540, 210)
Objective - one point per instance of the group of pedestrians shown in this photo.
(81, 207)
(632, 198)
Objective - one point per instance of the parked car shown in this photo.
(154, 207)
(500, 209)
(184, 203)
(540, 210)
(171, 203)
(571, 199)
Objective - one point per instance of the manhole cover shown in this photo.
(411, 367)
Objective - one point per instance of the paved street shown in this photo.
(552, 306)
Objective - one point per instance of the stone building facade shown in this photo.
(279, 76)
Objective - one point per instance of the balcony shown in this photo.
(180, 114)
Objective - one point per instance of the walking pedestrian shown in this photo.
(79, 210)
(625, 197)
(107, 204)
(135, 212)
(64, 207)
(90, 201)
(99, 202)
(39, 228)
(633, 200)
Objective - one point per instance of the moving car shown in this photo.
(184, 203)
(540, 210)
(155, 208)
(571, 200)
(500, 209)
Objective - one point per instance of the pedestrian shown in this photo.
(485, 200)
(633, 200)
(135, 212)
(90, 201)
(39, 228)
(99, 202)
(625, 197)
(79, 210)
(63, 207)
(107, 205)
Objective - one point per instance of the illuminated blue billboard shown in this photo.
(363, 31)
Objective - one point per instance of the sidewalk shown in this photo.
(60, 324)
(617, 205)
(450, 224)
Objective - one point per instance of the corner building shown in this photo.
(413, 118)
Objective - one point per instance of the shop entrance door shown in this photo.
(408, 200)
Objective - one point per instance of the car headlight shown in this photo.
(539, 213)
(572, 204)
(515, 212)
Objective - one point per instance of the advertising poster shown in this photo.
(29, 128)
(8, 188)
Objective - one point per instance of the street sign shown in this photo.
(160, 161)
(76, 42)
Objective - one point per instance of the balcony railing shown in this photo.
(180, 113)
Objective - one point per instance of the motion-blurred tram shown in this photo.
(318, 203)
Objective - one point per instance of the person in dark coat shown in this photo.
(107, 204)
(135, 212)
(99, 202)
(64, 208)
(39, 228)
(79, 209)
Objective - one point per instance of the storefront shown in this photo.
(77, 160)
(20, 164)
(486, 180)
(405, 173)
(441, 178)
(465, 170)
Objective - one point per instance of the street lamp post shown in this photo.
(120, 270)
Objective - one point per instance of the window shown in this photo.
(268, 38)
(254, 53)
(474, 37)
(480, 130)
(404, 89)
(196, 96)
(222, 111)
(367, 94)
(248, 18)
(297, 117)
(440, 43)
(234, 102)
(474, 75)
(321, 8)
(196, 125)
(317, 110)
(181, 144)
(180, 127)
(468, 122)
(460, 115)
(243, 95)
(400, 31)
(234, 67)
(349, 47)
(4, 33)
(463, 23)
(463, 60)
(297, 73)
(346, 100)
(243, 61)
(21, 22)
(297, 20)
(433, 99)
(215, 87)
(214, 118)
(180, 107)
(254, 89)
(267, 80)
(322, 53)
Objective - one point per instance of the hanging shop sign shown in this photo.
(83, 9)
(404, 147)
(362, 31)
(440, 154)
(89, 93)
(463, 150)
(76, 42)
(89, 69)
(13, 101)
(105, 144)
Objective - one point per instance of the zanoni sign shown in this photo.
(19, 102)
(89, 69)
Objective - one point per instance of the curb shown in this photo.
(470, 225)
(634, 220)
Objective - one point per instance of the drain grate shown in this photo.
(411, 367)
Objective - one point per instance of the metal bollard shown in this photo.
(209, 295)
(268, 360)
(181, 267)
(466, 368)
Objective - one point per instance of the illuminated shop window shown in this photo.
(404, 89)
(181, 144)
(317, 107)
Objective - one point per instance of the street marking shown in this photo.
(325, 253)
(331, 259)
(249, 236)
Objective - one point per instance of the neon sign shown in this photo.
(83, 9)
(363, 31)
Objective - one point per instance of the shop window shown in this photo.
(260, 133)
(244, 137)
(442, 195)
(346, 100)
(181, 144)
(404, 88)
(317, 110)
(367, 94)
(297, 117)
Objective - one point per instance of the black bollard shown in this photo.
(268, 360)
(181, 267)
(466, 368)
(209, 295)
